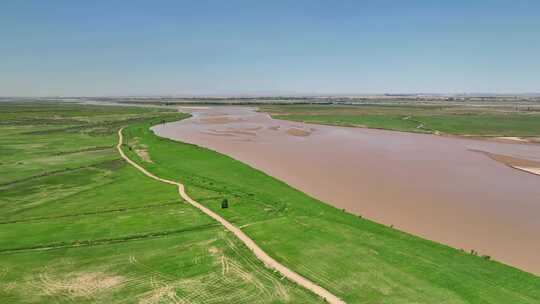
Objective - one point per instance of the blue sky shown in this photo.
(96, 48)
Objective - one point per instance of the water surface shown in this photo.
(428, 185)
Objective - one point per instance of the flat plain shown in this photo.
(80, 225)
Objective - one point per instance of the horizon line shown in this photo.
(287, 95)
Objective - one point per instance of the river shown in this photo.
(428, 185)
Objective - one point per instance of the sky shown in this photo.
(273, 47)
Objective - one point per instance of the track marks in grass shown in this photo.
(88, 213)
(84, 284)
(160, 293)
(107, 241)
(82, 150)
(216, 286)
(279, 290)
(108, 164)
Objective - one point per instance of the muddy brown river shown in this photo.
(431, 186)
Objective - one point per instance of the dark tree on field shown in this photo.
(224, 204)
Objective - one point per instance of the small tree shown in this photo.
(224, 204)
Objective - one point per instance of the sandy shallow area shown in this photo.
(526, 165)
(436, 187)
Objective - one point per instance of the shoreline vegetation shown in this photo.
(358, 260)
(511, 123)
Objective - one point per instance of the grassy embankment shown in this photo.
(77, 224)
(356, 259)
(522, 121)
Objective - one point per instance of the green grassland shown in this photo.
(356, 259)
(521, 121)
(79, 225)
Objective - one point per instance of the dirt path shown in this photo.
(420, 124)
(259, 253)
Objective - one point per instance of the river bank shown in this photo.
(428, 185)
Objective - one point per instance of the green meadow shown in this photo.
(79, 225)
(499, 120)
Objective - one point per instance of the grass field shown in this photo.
(519, 121)
(79, 225)
(356, 259)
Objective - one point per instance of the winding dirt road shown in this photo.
(268, 261)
